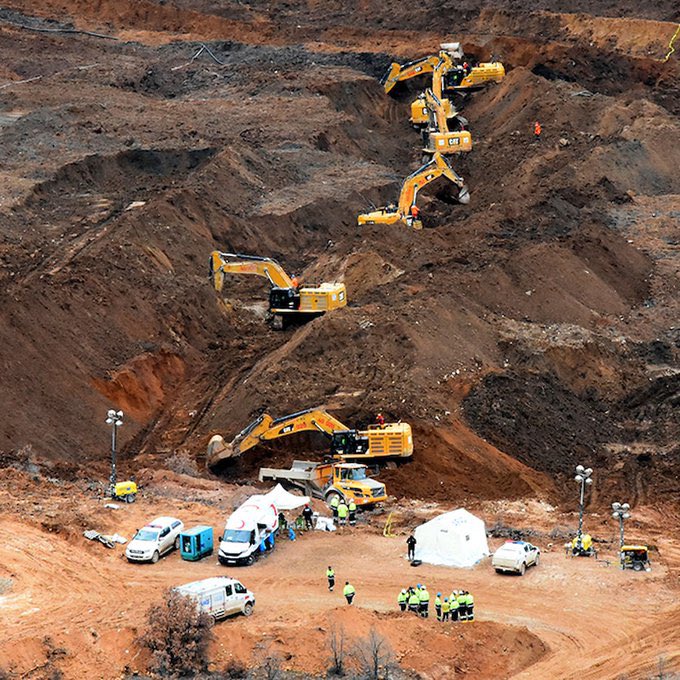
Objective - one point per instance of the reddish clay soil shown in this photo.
(92, 607)
(531, 330)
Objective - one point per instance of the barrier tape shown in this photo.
(671, 49)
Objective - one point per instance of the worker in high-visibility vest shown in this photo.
(438, 606)
(470, 606)
(413, 601)
(335, 502)
(424, 597)
(343, 511)
(349, 592)
(352, 507)
(446, 608)
(402, 599)
(330, 575)
(462, 606)
(454, 607)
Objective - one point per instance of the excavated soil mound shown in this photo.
(541, 295)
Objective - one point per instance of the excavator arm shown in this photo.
(437, 112)
(437, 167)
(432, 170)
(265, 428)
(237, 263)
(396, 72)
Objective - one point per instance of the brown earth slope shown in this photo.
(541, 316)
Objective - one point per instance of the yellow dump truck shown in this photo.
(324, 480)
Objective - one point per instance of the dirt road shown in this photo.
(565, 618)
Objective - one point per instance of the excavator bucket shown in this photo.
(388, 81)
(464, 195)
(218, 450)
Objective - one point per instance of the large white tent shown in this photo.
(454, 539)
(284, 500)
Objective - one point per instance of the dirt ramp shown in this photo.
(414, 643)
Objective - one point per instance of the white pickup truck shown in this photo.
(515, 556)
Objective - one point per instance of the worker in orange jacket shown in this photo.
(537, 131)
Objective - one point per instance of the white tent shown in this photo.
(454, 539)
(284, 500)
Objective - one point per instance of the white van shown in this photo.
(250, 529)
(219, 596)
(155, 539)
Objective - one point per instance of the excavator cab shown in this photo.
(284, 298)
(348, 443)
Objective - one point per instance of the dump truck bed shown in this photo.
(303, 473)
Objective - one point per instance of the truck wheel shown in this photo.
(248, 609)
(249, 560)
(155, 557)
(536, 561)
(522, 569)
(177, 543)
(499, 571)
(130, 498)
(637, 566)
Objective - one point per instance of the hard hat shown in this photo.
(439, 594)
(403, 590)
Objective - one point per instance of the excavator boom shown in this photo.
(427, 173)
(398, 72)
(265, 428)
(237, 263)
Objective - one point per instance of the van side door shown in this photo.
(218, 601)
(231, 605)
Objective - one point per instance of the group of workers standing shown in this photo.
(459, 606)
(342, 511)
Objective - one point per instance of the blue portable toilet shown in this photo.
(196, 543)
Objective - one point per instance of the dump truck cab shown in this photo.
(635, 557)
(351, 481)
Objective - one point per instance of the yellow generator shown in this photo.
(125, 491)
(582, 548)
(635, 557)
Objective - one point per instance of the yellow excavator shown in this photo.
(289, 302)
(438, 137)
(437, 167)
(448, 74)
(382, 441)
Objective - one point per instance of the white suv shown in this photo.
(155, 539)
(515, 556)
